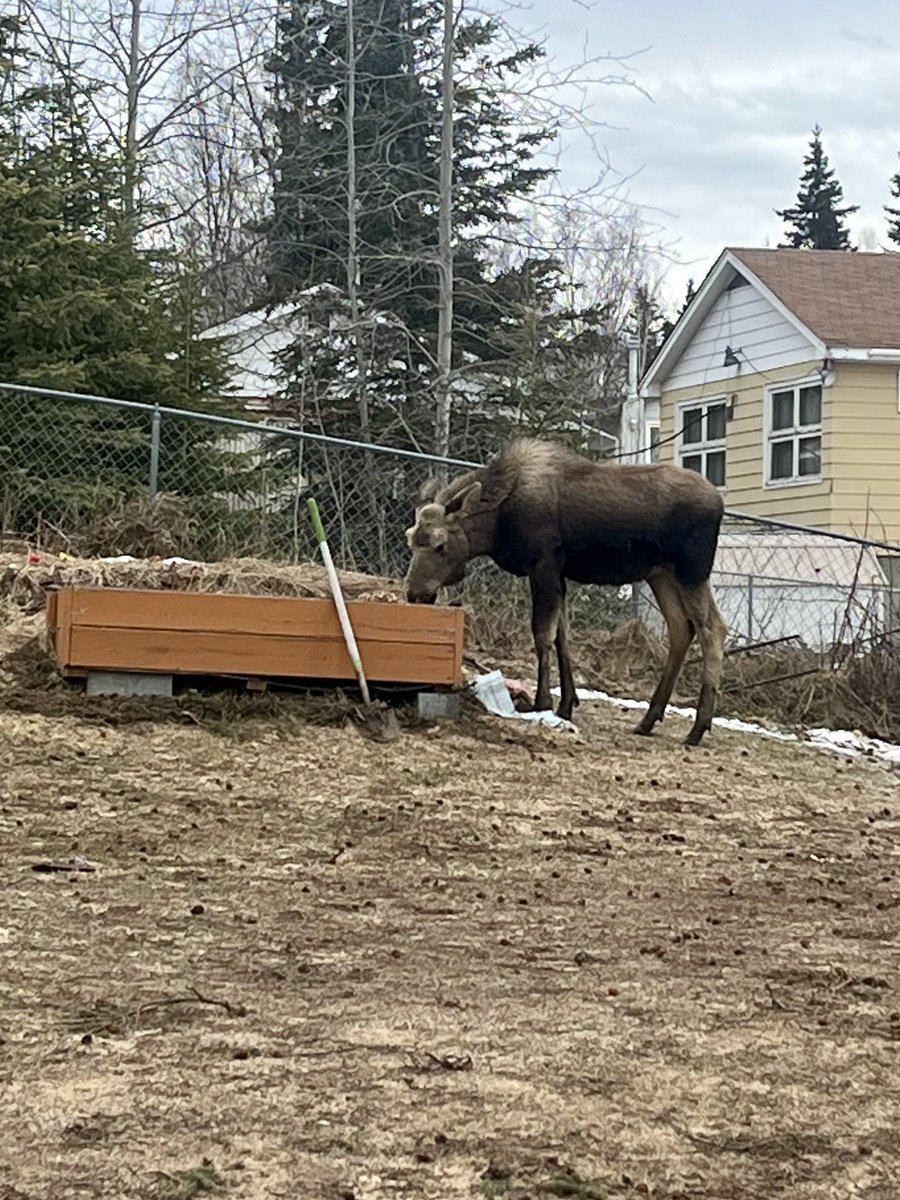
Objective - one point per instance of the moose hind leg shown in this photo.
(711, 631)
(668, 595)
(568, 696)
(546, 598)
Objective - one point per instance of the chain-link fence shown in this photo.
(97, 476)
(777, 584)
(78, 472)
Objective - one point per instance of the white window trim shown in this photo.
(651, 428)
(769, 433)
(683, 448)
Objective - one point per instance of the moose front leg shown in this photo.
(546, 599)
(568, 696)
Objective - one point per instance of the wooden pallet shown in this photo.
(259, 637)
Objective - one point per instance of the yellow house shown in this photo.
(781, 383)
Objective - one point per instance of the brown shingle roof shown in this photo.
(845, 299)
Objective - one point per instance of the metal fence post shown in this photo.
(749, 608)
(155, 423)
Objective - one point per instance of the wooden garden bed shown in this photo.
(258, 637)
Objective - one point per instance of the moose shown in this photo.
(542, 511)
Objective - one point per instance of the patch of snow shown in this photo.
(849, 743)
(845, 741)
(673, 710)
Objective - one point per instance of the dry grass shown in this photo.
(482, 960)
(788, 685)
(140, 526)
(23, 583)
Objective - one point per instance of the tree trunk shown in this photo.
(132, 94)
(353, 274)
(445, 245)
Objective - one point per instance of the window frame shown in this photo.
(704, 447)
(792, 435)
(653, 427)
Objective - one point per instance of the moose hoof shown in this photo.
(645, 728)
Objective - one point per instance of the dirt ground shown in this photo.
(481, 960)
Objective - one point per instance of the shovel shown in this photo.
(377, 719)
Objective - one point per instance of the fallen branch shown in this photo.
(731, 650)
(442, 1062)
(233, 1010)
(742, 687)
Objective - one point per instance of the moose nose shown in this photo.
(414, 597)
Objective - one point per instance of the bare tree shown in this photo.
(182, 92)
(146, 73)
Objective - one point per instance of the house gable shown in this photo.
(733, 308)
(745, 321)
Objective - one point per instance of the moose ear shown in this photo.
(465, 501)
(409, 536)
(428, 491)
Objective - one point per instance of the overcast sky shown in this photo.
(735, 88)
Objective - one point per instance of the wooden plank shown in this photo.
(259, 654)
(124, 608)
(63, 637)
(50, 612)
(211, 633)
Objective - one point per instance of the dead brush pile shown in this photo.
(139, 526)
(23, 583)
(793, 686)
(796, 687)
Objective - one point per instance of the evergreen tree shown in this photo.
(397, 102)
(541, 374)
(817, 218)
(526, 359)
(894, 213)
(80, 310)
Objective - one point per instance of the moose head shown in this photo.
(439, 540)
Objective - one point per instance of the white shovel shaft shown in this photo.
(343, 615)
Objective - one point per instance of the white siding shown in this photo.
(780, 584)
(760, 609)
(746, 321)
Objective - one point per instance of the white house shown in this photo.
(254, 341)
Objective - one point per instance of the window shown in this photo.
(702, 439)
(794, 449)
(653, 441)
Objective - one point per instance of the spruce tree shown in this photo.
(397, 102)
(894, 213)
(817, 219)
(82, 311)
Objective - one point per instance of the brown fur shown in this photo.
(547, 513)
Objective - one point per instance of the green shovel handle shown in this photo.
(316, 520)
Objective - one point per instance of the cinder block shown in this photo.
(128, 683)
(438, 705)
